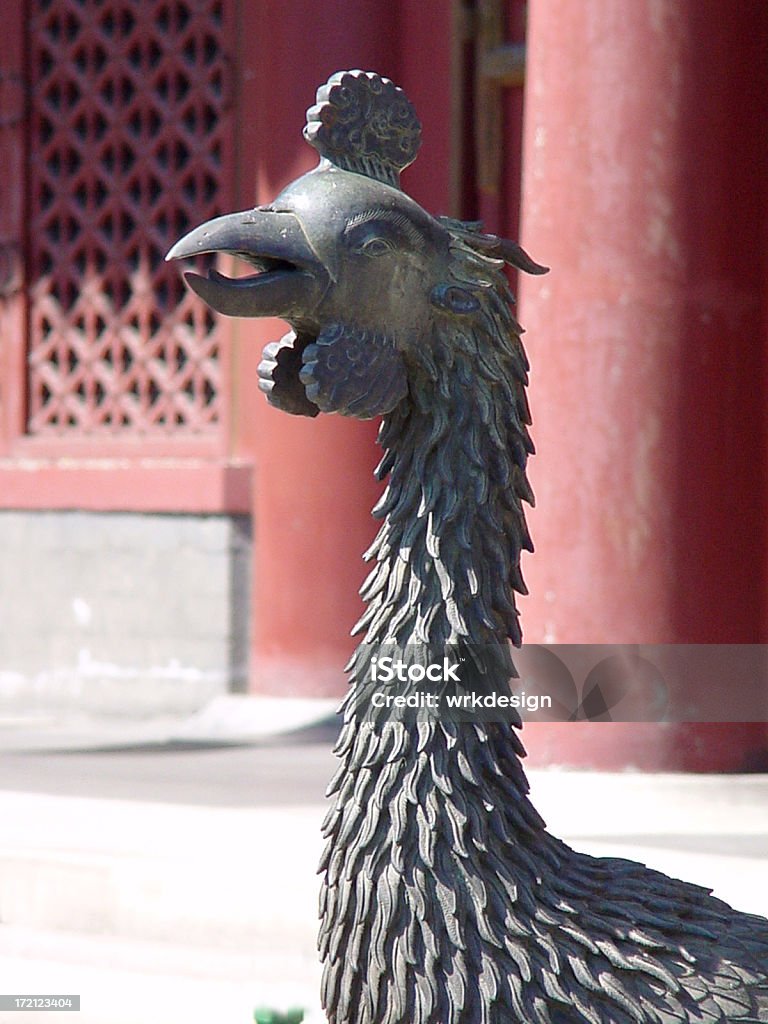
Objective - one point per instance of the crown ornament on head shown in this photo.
(364, 123)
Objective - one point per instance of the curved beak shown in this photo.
(289, 281)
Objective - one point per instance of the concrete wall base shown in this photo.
(122, 613)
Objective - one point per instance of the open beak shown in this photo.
(289, 280)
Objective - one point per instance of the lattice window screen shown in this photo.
(126, 153)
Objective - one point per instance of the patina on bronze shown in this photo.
(444, 899)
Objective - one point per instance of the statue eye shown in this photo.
(375, 246)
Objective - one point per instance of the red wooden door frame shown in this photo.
(12, 147)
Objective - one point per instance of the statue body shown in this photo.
(444, 898)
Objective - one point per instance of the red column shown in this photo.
(313, 483)
(646, 163)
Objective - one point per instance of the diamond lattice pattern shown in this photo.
(125, 156)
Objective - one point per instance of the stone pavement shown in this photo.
(165, 871)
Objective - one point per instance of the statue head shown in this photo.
(361, 272)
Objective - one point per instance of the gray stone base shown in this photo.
(123, 613)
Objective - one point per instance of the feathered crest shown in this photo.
(471, 234)
(364, 123)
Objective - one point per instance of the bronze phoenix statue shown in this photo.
(444, 898)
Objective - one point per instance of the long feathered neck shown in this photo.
(412, 875)
(452, 510)
(448, 552)
(444, 898)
